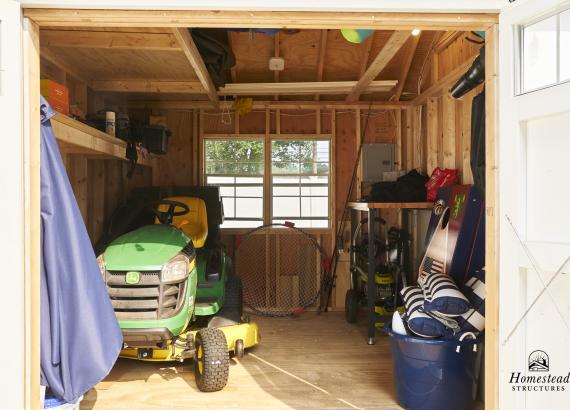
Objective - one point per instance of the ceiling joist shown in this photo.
(148, 86)
(262, 105)
(193, 55)
(45, 17)
(48, 55)
(392, 46)
(110, 40)
(304, 88)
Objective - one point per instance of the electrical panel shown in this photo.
(377, 159)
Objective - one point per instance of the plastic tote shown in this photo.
(435, 374)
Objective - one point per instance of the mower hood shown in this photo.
(145, 249)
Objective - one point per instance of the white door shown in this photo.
(534, 193)
(12, 205)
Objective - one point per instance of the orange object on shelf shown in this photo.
(56, 94)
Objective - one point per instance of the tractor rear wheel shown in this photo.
(212, 360)
(351, 306)
(233, 298)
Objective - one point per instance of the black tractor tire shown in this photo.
(351, 306)
(233, 298)
(212, 360)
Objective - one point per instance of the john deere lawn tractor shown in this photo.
(172, 287)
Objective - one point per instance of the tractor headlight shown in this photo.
(175, 270)
(101, 263)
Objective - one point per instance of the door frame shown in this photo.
(36, 18)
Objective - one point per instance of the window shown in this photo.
(237, 166)
(300, 182)
(298, 172)
(544, 52)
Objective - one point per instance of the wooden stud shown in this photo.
(78, 178)
(195, 148)
(408, 139)
(119, 40)
(448, 146)
(417, 138)
(398, 153)
(260, 19)
(305, 88)
(358, 139)
(406, 65)
(148, 86)
(332, 209)
(195, 59)
(96, 189)
(32, 231)
(201, 145)
(392, 46)
(491, 222)
(432, 133)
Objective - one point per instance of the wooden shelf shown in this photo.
(75, 137)
(365, 206)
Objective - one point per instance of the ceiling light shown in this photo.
(416, 32)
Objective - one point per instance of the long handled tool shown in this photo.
(330, 278)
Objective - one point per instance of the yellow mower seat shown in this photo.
(194, 223)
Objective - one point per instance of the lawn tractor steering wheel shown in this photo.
(166, 217)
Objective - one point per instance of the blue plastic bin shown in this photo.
(431, 375)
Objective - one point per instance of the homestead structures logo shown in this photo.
(539, 362)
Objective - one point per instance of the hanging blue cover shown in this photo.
(80, 336)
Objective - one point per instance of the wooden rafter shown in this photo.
(304, 88)
(148, 86)
(406, 65)
(45, 17)
(392, 46)
(321, 57)
(109, 39)
(446, 39)
(193, 55)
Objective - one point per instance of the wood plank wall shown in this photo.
(441, 128)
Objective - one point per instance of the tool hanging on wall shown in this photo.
(330, 277)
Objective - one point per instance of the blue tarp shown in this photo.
(80, 336)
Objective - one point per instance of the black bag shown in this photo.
(155, 138)
(216, 53)
(408, 188)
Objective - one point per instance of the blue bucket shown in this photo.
(432, 374)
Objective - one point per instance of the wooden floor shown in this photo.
(311, 362)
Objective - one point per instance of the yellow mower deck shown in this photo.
(248, 332)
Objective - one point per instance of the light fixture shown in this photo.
(416, 32)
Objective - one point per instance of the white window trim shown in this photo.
(268, 174)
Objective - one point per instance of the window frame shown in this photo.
(519, 52)
(268, 172)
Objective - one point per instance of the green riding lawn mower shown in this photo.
(171, 283)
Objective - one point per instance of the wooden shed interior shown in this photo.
(391, 88)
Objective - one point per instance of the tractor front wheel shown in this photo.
(212, 361)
